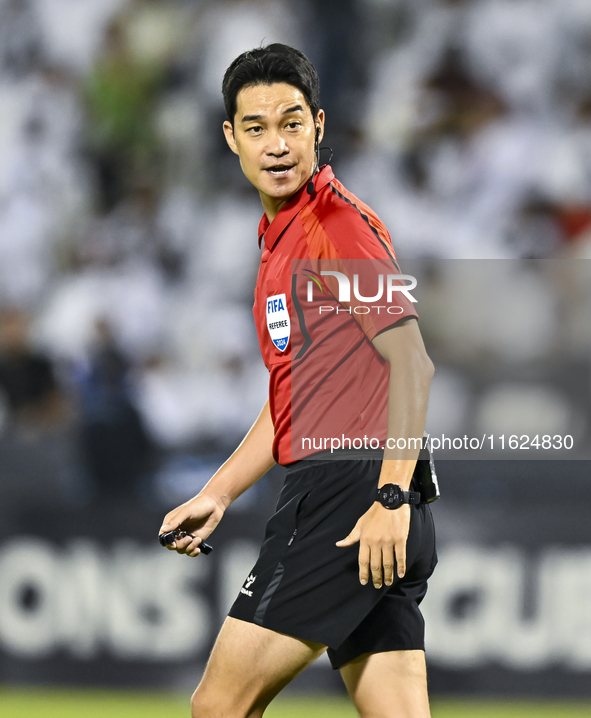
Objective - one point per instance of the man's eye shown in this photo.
(254, 130)
(293, 125)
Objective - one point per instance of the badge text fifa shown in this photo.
(278, 322)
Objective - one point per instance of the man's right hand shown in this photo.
(251, 460)
(199, 516)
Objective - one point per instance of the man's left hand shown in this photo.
(382, 535)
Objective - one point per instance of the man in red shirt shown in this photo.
(317, 391)
(344, 368)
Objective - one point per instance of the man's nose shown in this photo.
(276, 144)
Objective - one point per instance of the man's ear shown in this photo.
(319, 122)
(230, 139)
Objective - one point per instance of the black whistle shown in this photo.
(170, 536)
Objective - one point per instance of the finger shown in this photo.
(193, 548)
(388, 564)
(364, 558)
(183, 543)
(171, 522)
(168, 546)
(376, 567)
(351, 539)
(401, 558)
(166, 528)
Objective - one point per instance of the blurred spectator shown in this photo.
(536, 230)
(43, 182)
(120, 95)
(27, 379)
(130, 233)
(21, 40)
(116, 450)
(521, 48)
(339, 51)
(73, 30)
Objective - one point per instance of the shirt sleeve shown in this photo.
(357, 264)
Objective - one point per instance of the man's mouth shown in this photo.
(279, 170)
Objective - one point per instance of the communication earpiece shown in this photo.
(310, 187)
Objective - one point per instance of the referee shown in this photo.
(347, 554)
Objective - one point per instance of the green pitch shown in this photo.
(36, 702)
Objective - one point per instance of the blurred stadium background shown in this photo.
(129, 366)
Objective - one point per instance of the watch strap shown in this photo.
(411, 497)
(406, 497)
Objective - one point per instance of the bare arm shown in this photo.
(382, 533)
(411, 372)
(201, 514)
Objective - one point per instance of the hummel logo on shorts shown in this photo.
(249, 581)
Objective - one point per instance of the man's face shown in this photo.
(274, 136)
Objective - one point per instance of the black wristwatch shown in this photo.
(391, 496)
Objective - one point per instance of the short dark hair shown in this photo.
(266, 66)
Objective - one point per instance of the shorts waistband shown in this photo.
(327, 457)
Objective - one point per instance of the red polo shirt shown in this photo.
(326, 287)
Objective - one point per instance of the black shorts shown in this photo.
(305, 586)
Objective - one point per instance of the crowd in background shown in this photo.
(128, 245)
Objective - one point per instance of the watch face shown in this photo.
(390, 496)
